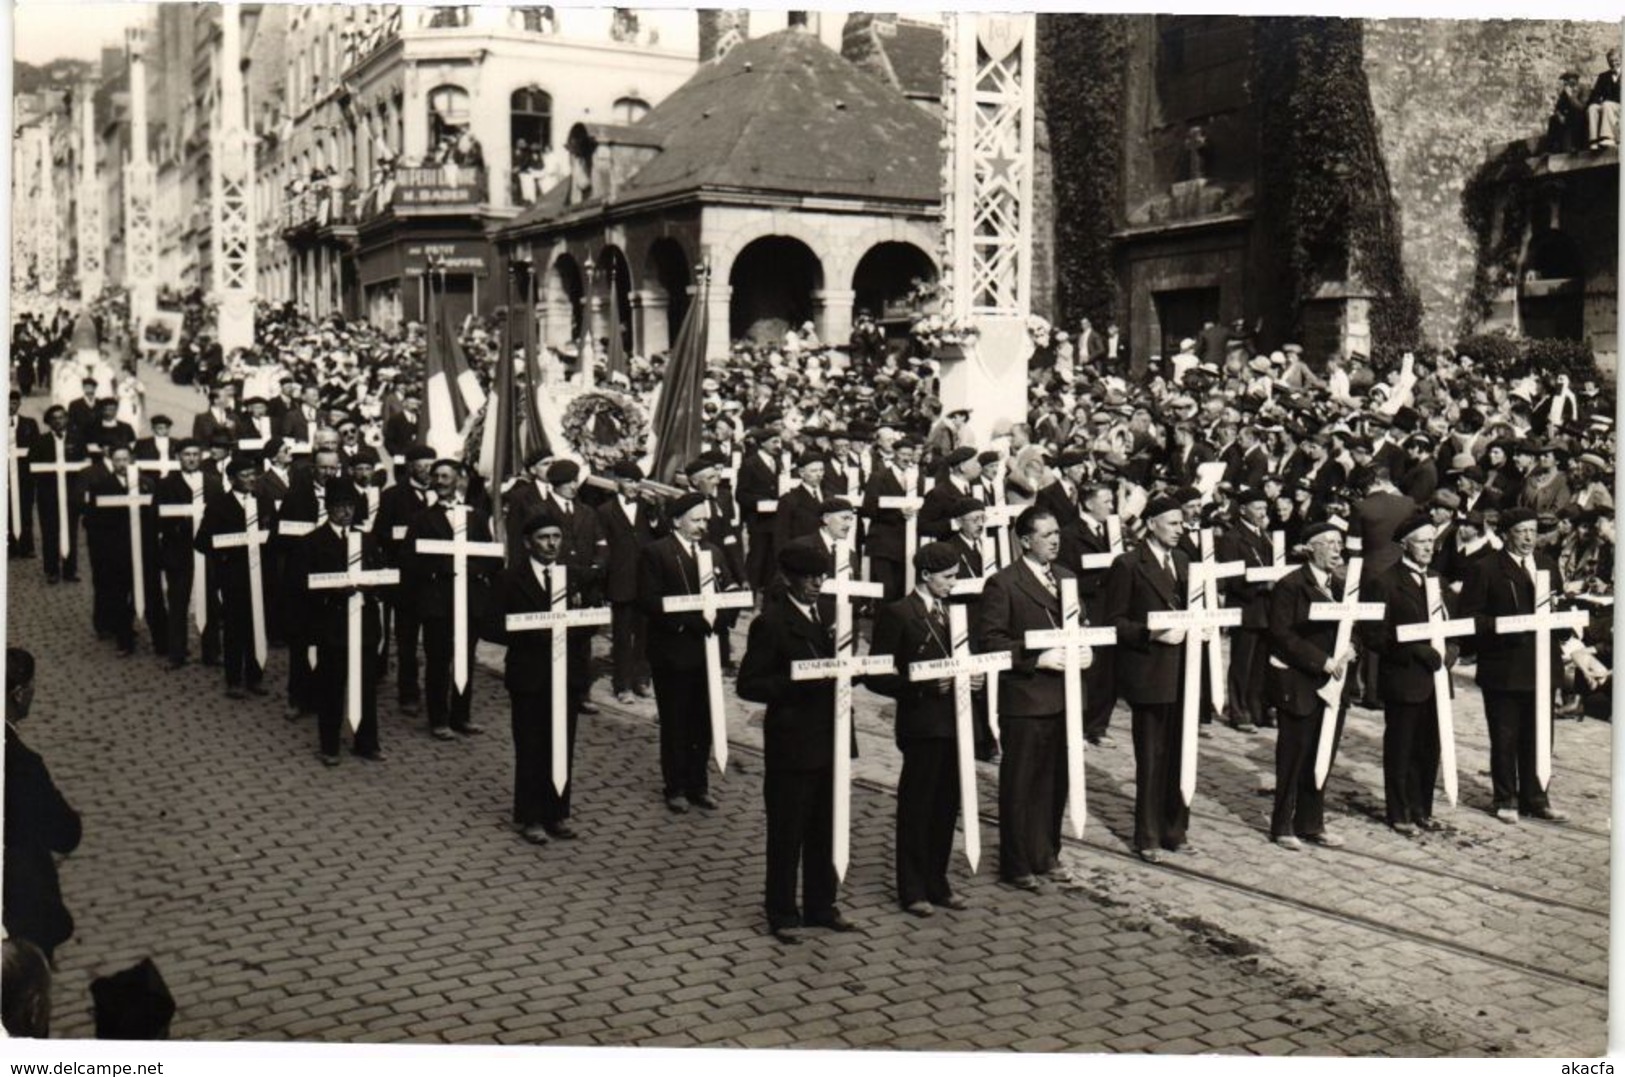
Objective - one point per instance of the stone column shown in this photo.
(718, 307)
(834, 318)
(554, 314)
(651, 327)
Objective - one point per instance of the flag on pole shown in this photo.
(615, 361)
(678, 412)
(451, 392)
(532, 435)
(499, 437)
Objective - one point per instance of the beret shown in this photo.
(1324, 527)
(245, 461)
(563, 471)
(1411, 525)
(532, 458)
(989, 458)
(447, 461)
(341, 491)
(812, 458)
(1071, 458)
(964, 506)
(803, 561)
(182, 444)
(959, 456)
(1160, 505)
(1248, 494)
(366, 454)
(936, 557)
(161, 420)
(629, 470)
(1446, 499)
(542, 517)
(1186, 494)
(686, 504)
(1512, 517)
(418, 452)
(834, 504)
(251, 401)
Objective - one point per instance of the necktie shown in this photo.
(937, 617)
(1049, 580)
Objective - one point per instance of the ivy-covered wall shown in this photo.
(1447, 94)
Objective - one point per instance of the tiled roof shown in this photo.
(915, 53)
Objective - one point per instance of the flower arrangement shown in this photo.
(605, 427)
(935, 332)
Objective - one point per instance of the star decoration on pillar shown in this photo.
(1000, 166)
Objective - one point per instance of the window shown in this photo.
(630, 109)
(448, 116)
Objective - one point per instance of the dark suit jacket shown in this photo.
(223, 515)
(294, 426)
(626, 540)
(27, 434)
(586, 549)
(44, 451)
(107, 438)
(676, 641)
(887, 528)
(398, 508)
(936, 515)
(205, 426)
(176, 533)
(1377, 516)
(428, 579)
(1499, 587)
(327, 610)
(1085, 540)
(798, 733)
(1405, 672)
(798, 515)
(925, 709)
(1239, 543)
(1304, 645)
(1014, 602)
(1148, 673)
(528, 666)
(81, 417)
(757, 482)
(40, 825)
(1421, 481)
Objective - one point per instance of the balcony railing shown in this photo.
(317, 209)
(429, 187)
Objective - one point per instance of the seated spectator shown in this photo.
(39, 825)
(1602, 107)
(1565, 128)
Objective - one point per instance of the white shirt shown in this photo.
(539, 569)
(629, 508)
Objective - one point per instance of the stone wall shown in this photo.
(1444, 93)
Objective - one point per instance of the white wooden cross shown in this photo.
(194, 512)
(1001, 519)
(1074, 639)
(460, 549)
(558, 619)
(1271, 573)
(1345, 613)
(1435, 630)
(135, 500)
(1197, 619)
(1114, 539)
(974, 585)
(787, 477)
(708, 602)
(252, 537)
(354, 577)
(909, 505)
(1543, 622)
(1212, 572)
(159, 467)
(842, 668)
(962, 667)
(16, 453)
(61, 469)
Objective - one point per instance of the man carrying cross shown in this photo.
(54, 459)
(1405, 680)
(1248, 542)
(447, 564)
(1153, 579)
(236, 525)
(916, 629)
(182, 498)
(798, 737)
(1503, 584)
(1304, 657)
(111, 541)
(1096, 542)
(22, 433)
(327, 551)
(1023, 598)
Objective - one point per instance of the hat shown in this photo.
(563, 471)
(161, 420)
(1419, 441)
(964, 506)
(1292, 349)
(936, 557)
(1445, 499)
(1516, 515)
(417, 452)
(630, 471)
(542, 516)
(1316, 530)
(245, 461)
(989, 458)
(1594, 460)
(1187, 344)
(532, 458)
(133, 1005)
(803, 561)
(365, 454)
(1160, 505)
(1186, 494)
(686, 504)
(1411, 525)
(1247, 495)
(1071, 458)
(341, 491)
(959, 456)
(834, 504)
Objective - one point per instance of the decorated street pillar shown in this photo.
(232, 237)
(91, 238)
(140, 212)
(47, 222)
(989, 79)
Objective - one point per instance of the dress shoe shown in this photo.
(1325, 839)
(126, 652)
(70, 579)
(442, 733)
(330, 760)
(1406, 829)
(587, 706)
(922, 909)
(374, 756)
(677, 804)
(1187, 849)
(1152, 856)
(1024, 882)
(258, 690)
(536, 835)
(1551, 815)
(1287, 841)
(625, 698)
(955, 902)
(1507, 815)
(562, 831)
(1060, 873)
(1430, 824)
(705, 800)
(469, 729)
(787, 935)
(1244, 727)
(1204, 732)
(1105, 740)
(835, 922)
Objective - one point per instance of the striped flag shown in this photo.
(678, 412)
(451, 392)
(615, 362)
